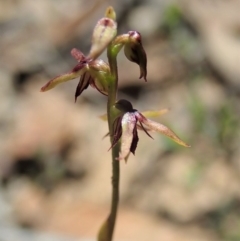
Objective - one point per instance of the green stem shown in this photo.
(112, 58)
(115, 191)
(107, 230)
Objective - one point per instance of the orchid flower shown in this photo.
(128, 123)
(92, 71)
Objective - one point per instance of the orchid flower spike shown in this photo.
(92, 71)
(126, 125)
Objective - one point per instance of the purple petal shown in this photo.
(145, 130)
(82, 85)
(134, 141)
(77, 54)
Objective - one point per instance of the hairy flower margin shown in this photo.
(129, 121)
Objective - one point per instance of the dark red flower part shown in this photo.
(83, 84)
(134, 140)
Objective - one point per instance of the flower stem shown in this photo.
(115, 191)
(107, 230)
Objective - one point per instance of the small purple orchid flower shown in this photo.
(92, 71)
(126, 125)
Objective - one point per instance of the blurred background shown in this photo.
(55, 168)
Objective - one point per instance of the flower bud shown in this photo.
(135, 52)
(103, 33)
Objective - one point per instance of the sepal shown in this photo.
(77, 71)
(129, 135)
(158, 127)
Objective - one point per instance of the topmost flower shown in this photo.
(91, 70)
(96, 72)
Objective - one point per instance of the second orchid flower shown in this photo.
(129, 121)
